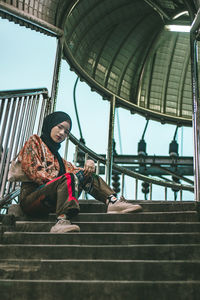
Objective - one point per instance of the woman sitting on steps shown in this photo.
(56, 184)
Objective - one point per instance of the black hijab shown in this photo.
(51, 121)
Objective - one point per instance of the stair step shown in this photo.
(96, 206)
(168, 216)
(189, 216)
(174, 216)
(102, 238)
(99, 269)
(140, 252)
(106, 290)
(153, 254)
(45, 226)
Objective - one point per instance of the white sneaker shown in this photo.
(122, 207)
(63, 226)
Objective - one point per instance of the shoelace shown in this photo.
(64, 221)
(122, 199)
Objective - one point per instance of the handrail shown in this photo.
(166, 184)
(23, 92)
(9, 197)
(130, 173)
(21, 113)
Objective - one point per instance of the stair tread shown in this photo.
(144, 213)
(98, 246)
(67, 251)
(99, 233)
(99, 289)
(106, 222)
(42, 260)
(150, 252)
(187, 282)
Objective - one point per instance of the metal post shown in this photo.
(136, 188)
(76, 155)
(66, 148)
(196, 115)
(165, 193)
(58, 59)
(122, 184)
(181, 195)
(150, 192)
(84, 194)
(98, 167)
(109, 159)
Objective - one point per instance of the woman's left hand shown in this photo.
(89, 167)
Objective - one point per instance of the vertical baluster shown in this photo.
(42, 113)
(122, 184)
(30, 113)
(181, 194)
(76, 155)
(66, 148)
(86, 157)
(109, 158)
(24, 119)
(150, 191)
(97, 167)
(165, 193)
(84, 193)
(18, 145)
(136, 188)
(4, 138)
(5, 123)
(6, 144)
(12, 141)
(34, 113)
(3, 102)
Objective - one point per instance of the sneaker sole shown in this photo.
(74, 229)
(125, 210)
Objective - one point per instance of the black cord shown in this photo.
(147, 122)
(76, 111)
(175, 133)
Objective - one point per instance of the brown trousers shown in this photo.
(61, 195)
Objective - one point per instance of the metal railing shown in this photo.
(21, 114)
(126, 172)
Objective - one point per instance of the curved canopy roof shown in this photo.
(122, 48)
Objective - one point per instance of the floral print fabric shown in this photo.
(38, 163)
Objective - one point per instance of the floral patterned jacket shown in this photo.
(38, 163)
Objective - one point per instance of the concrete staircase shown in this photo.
(154, 254)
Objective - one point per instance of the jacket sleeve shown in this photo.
(70, 168)
(33, 162)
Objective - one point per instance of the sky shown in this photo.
(27, 61)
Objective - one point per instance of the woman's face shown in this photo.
(60, 132)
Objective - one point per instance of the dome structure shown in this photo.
(123, 48)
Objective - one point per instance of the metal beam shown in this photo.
(196, 110)
(30, 20)
(110, 141)
(158, 9)
(147, 160)
(57, 65)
